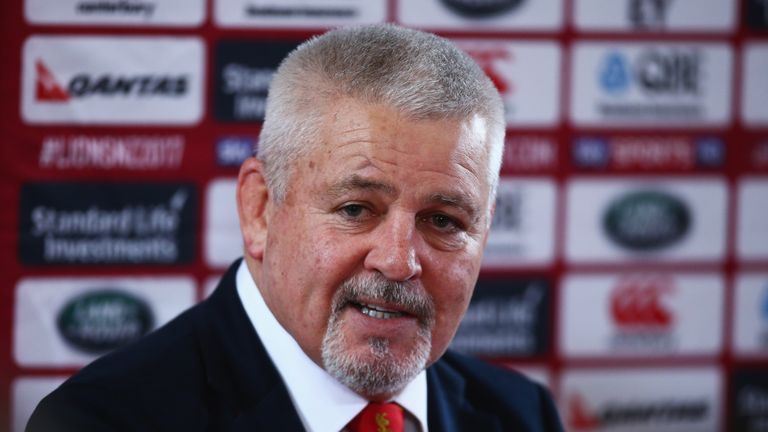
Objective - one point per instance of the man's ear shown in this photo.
(252, 199)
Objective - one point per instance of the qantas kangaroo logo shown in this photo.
(47, 88)
(580, 416)
(640, 412)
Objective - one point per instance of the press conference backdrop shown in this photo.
(627, 268)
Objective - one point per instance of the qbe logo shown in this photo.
(651, 84)
(112, 80)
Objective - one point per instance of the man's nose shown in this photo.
(393, 251)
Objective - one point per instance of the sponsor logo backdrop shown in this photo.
(627, 266)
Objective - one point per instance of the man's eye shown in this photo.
(444, 223)
(353, 210)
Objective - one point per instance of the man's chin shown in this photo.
(376, 369)
(373, 347)
(373, 371)
(378, 336)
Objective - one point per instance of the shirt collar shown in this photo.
(337, 405)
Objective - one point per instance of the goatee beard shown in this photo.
(377, 371)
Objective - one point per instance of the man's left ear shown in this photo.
(252, 199)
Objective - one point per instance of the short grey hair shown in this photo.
(423, 76)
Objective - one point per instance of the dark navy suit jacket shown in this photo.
(207, 370)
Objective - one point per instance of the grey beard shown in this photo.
(378, 372)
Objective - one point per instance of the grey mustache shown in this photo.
(408, 296)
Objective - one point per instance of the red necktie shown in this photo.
(378, 417)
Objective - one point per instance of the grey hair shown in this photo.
(423, 76)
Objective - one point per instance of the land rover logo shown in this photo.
(102, 320)
(647, 220)
(481, 8)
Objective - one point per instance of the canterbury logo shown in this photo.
(637, 301)
(47, 88)
(485, 58)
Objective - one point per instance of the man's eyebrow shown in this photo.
(357, 183)
(456, 200)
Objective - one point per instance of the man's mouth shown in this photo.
(378, 312)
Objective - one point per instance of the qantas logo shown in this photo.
(632, 414)
(68, 80)
(580, 417)
(49, 89)
(485, 58)
(636, 302)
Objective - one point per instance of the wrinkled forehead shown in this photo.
(429, 143)
(378, 139)
(350, 120)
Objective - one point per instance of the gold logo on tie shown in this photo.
(382, 423)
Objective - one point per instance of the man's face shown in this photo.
(374, 253)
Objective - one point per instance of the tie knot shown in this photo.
(378, 417)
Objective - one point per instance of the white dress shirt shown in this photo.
(323, 403)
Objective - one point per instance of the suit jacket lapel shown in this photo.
(447, 407)
(273, 412)
(238, 368)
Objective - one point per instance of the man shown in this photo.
(364, 217)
